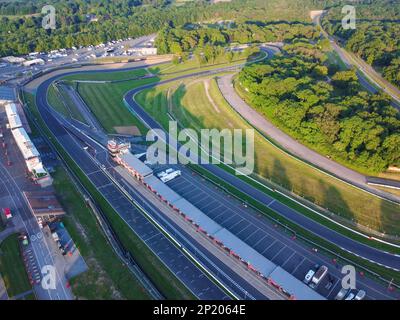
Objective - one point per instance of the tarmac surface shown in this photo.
(287, 212)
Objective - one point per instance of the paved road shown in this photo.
(365, 72)
(40, 248)
(172, 257)
(293, 146)
(82, 108)
(8, 232)
(12, 183)
(341, 241)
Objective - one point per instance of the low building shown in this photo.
(33, 62)
(136, 167)
(14, 120)
(27, 148)
(14, 60)
(29, 152)
(44, 205)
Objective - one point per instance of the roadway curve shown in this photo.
(365, 72)
(374, 255)
(293, 146)
(362, 250)
(180, 265)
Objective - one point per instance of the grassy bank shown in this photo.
(107, 278)
(191, 106)
(106, 103)
(62, 102)
(12, 268)
(111, 76)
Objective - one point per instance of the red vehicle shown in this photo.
(7, 213)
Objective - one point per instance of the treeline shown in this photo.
(376, 38)
(23, 35)
(28, 7)
(126, 18)
(325, 108)
(189, 37)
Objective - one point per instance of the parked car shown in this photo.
(342, 293)
(350, 296)
(309, 276)
(360, 295)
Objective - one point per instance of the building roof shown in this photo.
(292, 285)
(162, 189)
(247, 253)
(12, 59)
(44, 203)
(25, 144)
(34, 61)
(7, 94)
(133, 162)
(12, 116)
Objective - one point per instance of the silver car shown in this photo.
(309, 276)
(360, 295)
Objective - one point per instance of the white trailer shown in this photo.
(318, 276)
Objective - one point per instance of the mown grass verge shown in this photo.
(12, 268)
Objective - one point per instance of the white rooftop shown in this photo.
(12, 116)
(136, 164)
(25, 144)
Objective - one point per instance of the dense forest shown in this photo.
(22, 33)
(376, 38)
(325, 108)
(187, 38)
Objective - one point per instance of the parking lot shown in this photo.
(31, 265)
(265, 236)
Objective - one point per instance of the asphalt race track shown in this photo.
(179, 264)
(364, 251)
(209, 290)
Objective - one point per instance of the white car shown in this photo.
(309, 276)
(360, 295)
(350, 296)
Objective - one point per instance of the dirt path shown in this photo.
(210, 99)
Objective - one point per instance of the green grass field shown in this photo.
(111, 76)
(272, 163)
(61, 101)
(106, 103)
(165, 281)
(106, 99)
(192, 108)
(334, 59)
(12, 267)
